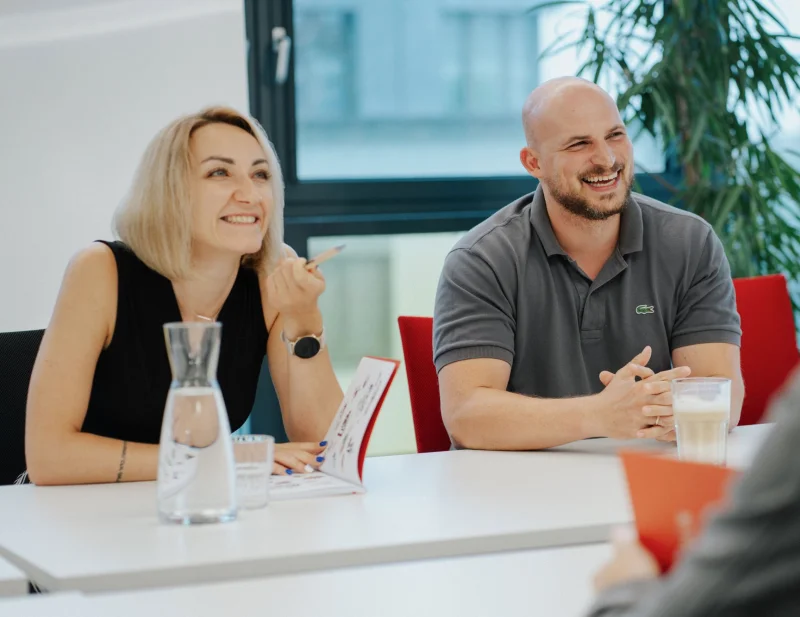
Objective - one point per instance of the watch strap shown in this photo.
(290, 345)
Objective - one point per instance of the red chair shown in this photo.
(416, 335)
(769, 341)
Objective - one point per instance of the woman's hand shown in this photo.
(298, 457)
(631, 561)
(293, 288)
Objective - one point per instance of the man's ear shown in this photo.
(530, 161)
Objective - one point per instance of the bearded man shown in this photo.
(567, 314)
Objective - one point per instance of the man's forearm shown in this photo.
(490, 419)
(737, 397)
(737, 400)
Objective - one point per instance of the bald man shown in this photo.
(566, 314)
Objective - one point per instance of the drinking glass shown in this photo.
(254, 456)
(702, 410)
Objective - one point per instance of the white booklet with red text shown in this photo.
(347, 437)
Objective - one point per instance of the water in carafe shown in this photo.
(196, 468)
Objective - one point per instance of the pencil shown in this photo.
(325, 255)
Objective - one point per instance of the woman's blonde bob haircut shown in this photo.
(155, 218)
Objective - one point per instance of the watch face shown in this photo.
(306, 347)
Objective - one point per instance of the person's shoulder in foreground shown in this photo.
(746, 562)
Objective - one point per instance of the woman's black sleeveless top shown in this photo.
(133, 375)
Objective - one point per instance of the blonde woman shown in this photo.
(201, 238)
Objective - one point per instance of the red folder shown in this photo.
(671, 499)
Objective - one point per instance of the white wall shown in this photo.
(84, 85)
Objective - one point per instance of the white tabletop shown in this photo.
(107, 537)
(13, 581)
(743, 443)
(44, 605)
(541, 582)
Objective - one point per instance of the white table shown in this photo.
(107, 537)
(743, 444)
(542, 582)
(44, 605)
(13, 581)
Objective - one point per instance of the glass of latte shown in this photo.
(702, 411)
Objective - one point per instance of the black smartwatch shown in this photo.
(306, 346)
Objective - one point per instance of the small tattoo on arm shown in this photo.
(122, 460)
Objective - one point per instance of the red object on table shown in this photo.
(671, 499)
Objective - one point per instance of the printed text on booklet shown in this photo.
(347, 437)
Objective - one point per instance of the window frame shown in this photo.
(368, 206)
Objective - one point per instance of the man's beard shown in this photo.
(580, 206)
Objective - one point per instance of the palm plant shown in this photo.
(708, 78)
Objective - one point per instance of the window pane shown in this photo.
(785, 140)
(372, 282)
(422, 88)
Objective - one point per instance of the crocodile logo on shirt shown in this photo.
(645, 309)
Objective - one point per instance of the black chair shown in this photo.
(17, 355)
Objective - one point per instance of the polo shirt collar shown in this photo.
(631, 230)
(541, 224)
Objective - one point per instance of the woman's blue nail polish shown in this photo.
(320, 459)
(290, 471)
(323, 443)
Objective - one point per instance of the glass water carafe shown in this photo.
(196, 468)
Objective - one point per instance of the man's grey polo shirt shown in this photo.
(509, 291)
